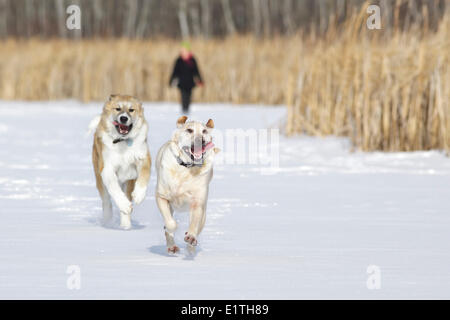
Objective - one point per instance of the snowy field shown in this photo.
(308, 230)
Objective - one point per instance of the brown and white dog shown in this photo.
(184, 167)
(120, 156)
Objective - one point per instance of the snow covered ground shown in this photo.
(310, 229)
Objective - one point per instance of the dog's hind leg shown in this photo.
(107, 207)
(129, 188)
(106, 201)
(170, 225)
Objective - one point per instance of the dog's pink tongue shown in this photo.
(208, 146)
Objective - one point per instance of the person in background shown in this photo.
(185, 75)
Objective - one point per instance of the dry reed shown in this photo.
(387, 93)
(237, 69)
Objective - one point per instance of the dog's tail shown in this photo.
(93, 125)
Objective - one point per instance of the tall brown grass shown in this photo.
(386, 92)
(237, 69)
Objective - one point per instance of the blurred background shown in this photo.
(386, 89)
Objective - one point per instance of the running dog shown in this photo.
(184, 167)
(120, 156)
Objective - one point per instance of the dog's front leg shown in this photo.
(111, 183)
(140, 187)
(197, 216)
(170, 225)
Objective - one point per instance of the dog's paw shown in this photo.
(190, 239)
(125, 225)
(173, 249)
(191, 250)
(125, 206)
(139, 194)
(125, 221)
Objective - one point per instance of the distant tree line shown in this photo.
(195, 18)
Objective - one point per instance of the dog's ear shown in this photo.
(112, 96)
(140, 107)
(181, 121)
(210, 124)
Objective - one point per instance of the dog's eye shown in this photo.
(205, 131)
(131, 110)
(117, 109)
(189, 130)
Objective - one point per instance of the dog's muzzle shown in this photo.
(197, 149)
(123, 125)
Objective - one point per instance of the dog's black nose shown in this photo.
(123, 119)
